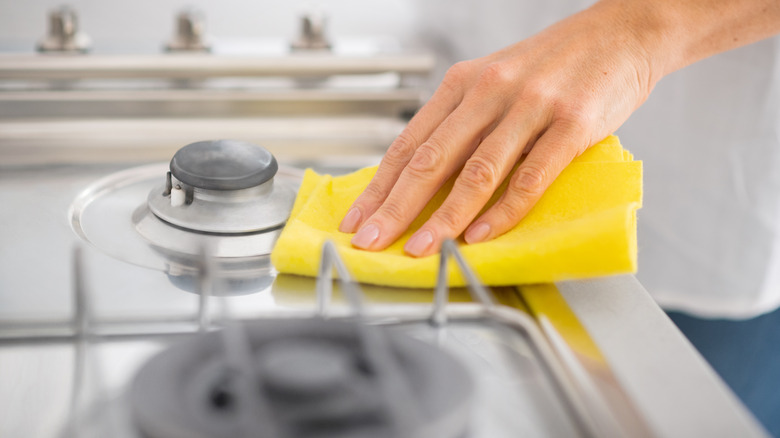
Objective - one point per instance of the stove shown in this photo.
(207, 223)
(137, 297)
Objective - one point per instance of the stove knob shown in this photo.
(64, 35)
(312, 35)
(223, 165)
(190, 33)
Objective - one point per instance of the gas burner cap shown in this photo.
(222, 187)
(223, 165)
(308, 378)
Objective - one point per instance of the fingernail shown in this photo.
(350, 221)
(419, 243)
(366, 236)
(477, 233)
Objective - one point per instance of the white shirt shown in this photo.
(709, 136)
(709, 139)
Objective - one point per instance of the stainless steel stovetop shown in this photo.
(145, 292)
(85, 303)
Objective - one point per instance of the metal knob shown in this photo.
(64, 34)
(312, 36)
(190, 33)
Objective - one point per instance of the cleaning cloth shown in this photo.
(583, 226)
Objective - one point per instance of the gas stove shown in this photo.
(137, 297)
(415, 371)
(207, 224)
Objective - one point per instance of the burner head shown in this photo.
(223, 165)
(221, 187)
(309, 378)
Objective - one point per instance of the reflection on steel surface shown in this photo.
(29, 67)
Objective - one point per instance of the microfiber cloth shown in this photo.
(583, 226)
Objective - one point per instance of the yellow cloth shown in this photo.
(583, 226)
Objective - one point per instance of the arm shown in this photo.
(550, 97)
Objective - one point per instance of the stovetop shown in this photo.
(80, 318)
(90, 315)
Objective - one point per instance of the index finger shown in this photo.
(431, 115)
(551, 153)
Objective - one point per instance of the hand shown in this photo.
(549, 98)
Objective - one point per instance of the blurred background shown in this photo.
(322, 85)
(143, 26)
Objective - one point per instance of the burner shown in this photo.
(228, 197)
(310, 378)
(222, 186)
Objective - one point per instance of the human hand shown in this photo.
(549, 98)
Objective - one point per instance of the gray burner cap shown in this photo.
(305, 368)
(223, 165)
(221, 186)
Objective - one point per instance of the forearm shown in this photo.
(677, 33)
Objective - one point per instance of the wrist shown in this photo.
(671, 34)
(648, 31)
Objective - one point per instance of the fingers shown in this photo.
(432, 163)
(478, 180)
(431, 115)
(550, 155)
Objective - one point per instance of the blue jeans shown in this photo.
(746, 354)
